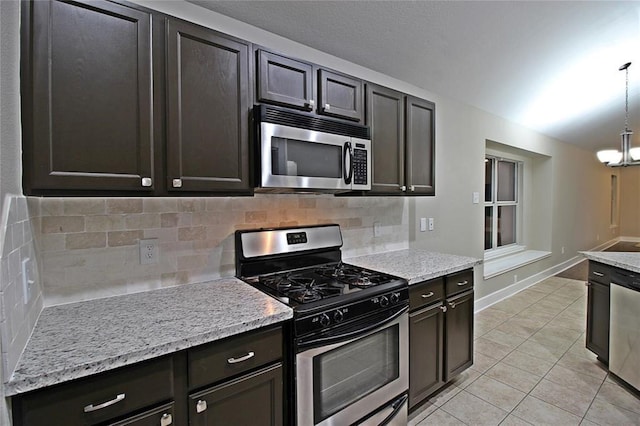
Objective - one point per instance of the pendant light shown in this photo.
(629, 156)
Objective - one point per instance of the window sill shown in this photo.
(497, 266)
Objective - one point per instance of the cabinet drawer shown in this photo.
(599, 273)
(459, 282)
(120, 392)
(425, 293)
(159, 416)
(216, 361)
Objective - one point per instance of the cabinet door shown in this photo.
(426, 329)
(340, 96)
(251, 400)
(420, 173)
(208, 87)
(385, 117)
(160, 416)
(598, 320)
(458, 335)
(284, 81)
(88, 110)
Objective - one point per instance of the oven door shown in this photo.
(301, 159)
(353, 374)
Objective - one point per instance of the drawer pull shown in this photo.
(166, 419)
(426, 296)
(201, 406)
(465, 282)
(587, 284)
(598, 274)
(241, 359)
(443, 308)
(452, 305)
(89, 408)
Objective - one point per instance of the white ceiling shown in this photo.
(550, 65)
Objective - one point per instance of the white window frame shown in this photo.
(516, 246)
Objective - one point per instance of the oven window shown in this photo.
(352, 371)
(291, 157)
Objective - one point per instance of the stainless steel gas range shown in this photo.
(347, 348)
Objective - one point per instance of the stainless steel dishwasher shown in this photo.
(624, 338)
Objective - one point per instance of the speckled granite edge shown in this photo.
(60, 350)
(415, 265)
(624, 260)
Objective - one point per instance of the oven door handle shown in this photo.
(337, 338)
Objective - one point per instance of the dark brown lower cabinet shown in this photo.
(254, 399)
(597, 340)
(426, 334)
(458, 334)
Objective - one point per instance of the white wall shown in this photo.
(10, 165)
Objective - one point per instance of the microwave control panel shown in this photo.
(359, 166)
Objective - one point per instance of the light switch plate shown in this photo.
(423, 224)
(476, 197)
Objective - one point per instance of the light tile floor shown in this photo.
(531, 367)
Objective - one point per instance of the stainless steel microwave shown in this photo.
(303, 153)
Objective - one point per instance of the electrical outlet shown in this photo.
(476, 197)
(431, 224)
(562, 250)
(149, 251)
(377, 229)
(27, 279)
(423, 224)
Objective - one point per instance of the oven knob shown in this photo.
(325, 320)
(384, 301)
(338, 316)
(395, 297)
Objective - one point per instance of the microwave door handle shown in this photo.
(348, 171)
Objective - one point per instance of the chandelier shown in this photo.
(629, 156)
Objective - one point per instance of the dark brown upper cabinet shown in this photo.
(87, 97)
(208, 110)
(340, 96)
(420, 146)
(284, 81)
(403, 141)
(385, 117)
(297, 84)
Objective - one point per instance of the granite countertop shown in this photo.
(80, 339)
(415, 265)
(624, 260)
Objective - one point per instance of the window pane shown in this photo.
(488, 179)
(506, 225)
(488, 228)
(506, 181)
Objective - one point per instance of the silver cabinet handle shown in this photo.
(598, 274)
(461, 283)
(177, 183)
(146, 181)
(587, 284)
(443, 308)
(452, 304)
(241, 359)
(403, 188)
(166, 419)
(412, 188)
(201, 406)
(428, 295)
(327, 107)
(89, 408)
(311, 102)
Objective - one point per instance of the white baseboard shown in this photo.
(497, 296)
(629, 239)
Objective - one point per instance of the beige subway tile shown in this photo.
(169, 220)
(206, 244)
(192, 233)
(289, 223)
(33, 205)
(112, 222)
(51, 206)
(255, 217)
(62, 224)
(124, 205)
(162, 234)
(52, 242)
(160, 205)
(81, 206)
(354, 222)
(143, 221)
(307, 203)
(123, 238)
(191, 204)
(83, 240)
(204, 218)
(192, 261)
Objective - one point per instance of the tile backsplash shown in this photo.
(18, 246)
(88, 247)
